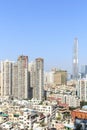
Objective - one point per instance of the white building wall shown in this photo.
(49, 78)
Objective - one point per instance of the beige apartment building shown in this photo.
(60, 77)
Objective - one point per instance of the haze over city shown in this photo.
(43, 29)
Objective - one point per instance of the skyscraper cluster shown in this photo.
(17, 78)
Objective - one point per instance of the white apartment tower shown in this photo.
(6, 78)
(39, 76)
(49, 78)
(22, 77)
(82, 89)
(15, 79)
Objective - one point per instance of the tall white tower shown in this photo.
(15, 79)
(6, 78)
(22, 77)
(39, 79)
(75, 59)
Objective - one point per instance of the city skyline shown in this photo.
(43, 29)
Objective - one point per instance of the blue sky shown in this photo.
(43, 28)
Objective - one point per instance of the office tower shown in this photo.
(83, 70)
(75, 59)
(22, 77)
(39, 79)
(15, 80)
(6, 78)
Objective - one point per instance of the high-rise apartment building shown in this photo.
(15, 79)
(49, 78)
(6, 78)
(22, 77)
(82, 89)
(38, 89)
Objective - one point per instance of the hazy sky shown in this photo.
(43, 28)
